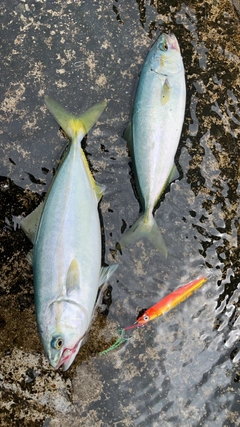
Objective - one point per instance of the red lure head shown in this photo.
(145, 317)
(139, 322)
(148, 315)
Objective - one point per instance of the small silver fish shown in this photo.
(154, 133)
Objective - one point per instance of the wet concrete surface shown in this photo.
(183, 370)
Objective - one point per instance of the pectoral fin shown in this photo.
(30, 224)
(166, 92)
(73, 276)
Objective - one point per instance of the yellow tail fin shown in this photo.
(74, 125)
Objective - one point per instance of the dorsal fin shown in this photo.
(73, 276)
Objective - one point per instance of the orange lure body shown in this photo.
(170, 301)
(164, 305)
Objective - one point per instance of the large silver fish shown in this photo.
(155, 131)
(66, 235)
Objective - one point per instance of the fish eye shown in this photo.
(145, 317)
(164, 46)
(57, 343)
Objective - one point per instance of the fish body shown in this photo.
(67, 246)
(170, 301)
(155, 131)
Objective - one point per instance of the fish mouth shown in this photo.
(172, 42)
(68, 356)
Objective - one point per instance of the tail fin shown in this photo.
(73, 125)
(145, 227)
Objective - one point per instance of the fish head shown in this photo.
(63, 337)
(166, 56)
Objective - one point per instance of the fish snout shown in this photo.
(172, 42)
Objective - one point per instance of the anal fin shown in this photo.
(174, 174)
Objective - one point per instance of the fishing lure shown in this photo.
(168, 302)
(164, 305)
